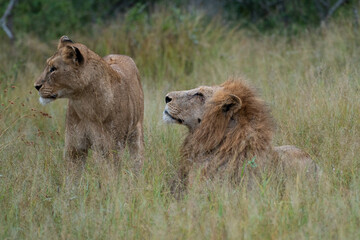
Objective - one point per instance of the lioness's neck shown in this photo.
(95, 101)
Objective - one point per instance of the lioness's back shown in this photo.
(124, 65)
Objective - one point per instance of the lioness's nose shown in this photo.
(38, 87)
(168, 99)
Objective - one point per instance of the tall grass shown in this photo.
(311, 82)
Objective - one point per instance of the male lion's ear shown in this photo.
(63, 41)
(232, 104)
(73, 54)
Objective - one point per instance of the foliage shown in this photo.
(288, 15)
(53, 18)
(49, 19)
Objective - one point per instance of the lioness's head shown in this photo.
(60, 78)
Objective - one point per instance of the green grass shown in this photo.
(312, 83)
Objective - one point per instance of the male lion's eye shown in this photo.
(199, 94)
(52, 69)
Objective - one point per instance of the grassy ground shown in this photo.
(310, 81)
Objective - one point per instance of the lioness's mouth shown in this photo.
(176, 119)
(52, 96)
(46, 100)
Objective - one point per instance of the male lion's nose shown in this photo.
(38, 87)
(168, 99)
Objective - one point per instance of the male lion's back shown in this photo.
(295, 160)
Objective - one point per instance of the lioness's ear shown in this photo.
(231, 104)
(73, 54)
(63, 41)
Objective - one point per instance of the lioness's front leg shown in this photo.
(76, 147)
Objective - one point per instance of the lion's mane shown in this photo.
(237, 126)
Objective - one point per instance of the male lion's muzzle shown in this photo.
(168, 115)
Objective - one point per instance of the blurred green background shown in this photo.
(50, 18)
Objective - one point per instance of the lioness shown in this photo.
(106, 101)
(230, 127)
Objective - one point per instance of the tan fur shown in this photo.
(230, 130)
(106, 102)
(295, 160)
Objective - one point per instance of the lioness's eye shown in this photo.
(199, 94)
(52, 69)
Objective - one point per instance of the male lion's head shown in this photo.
(61, 76)
(223, 117)
(187, 107)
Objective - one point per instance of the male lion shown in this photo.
(230, 130)
(106, 101)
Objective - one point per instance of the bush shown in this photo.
(270, 14)
(51, 18)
